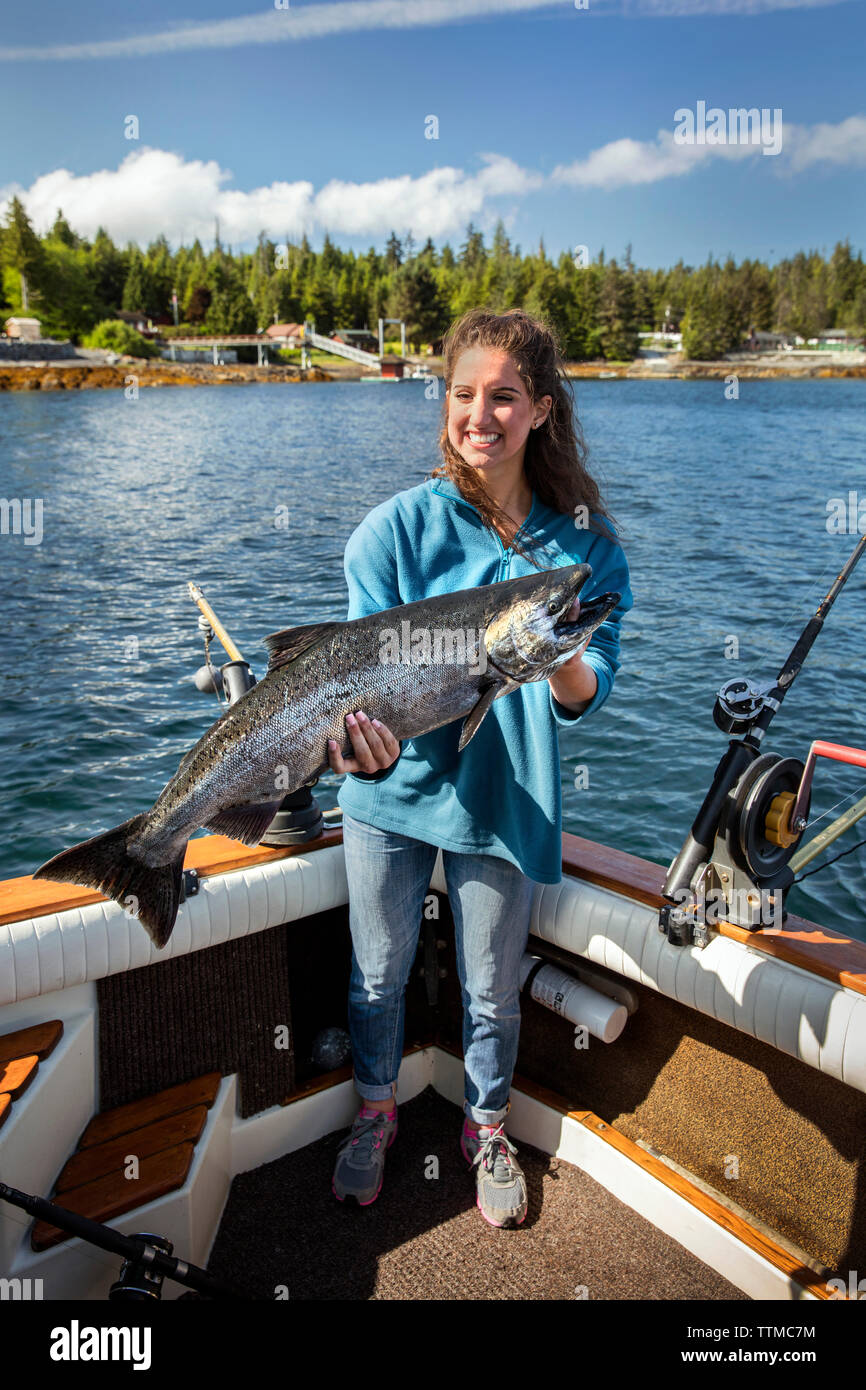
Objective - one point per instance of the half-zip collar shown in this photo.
(446, 488)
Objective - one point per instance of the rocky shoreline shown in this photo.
(744, 370)
(73, 375)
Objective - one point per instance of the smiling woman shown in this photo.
(513, 496)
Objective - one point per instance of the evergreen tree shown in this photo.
(472, 253)
(108, 269)
(501, 247)
(393, 252)
(617, 319)
(702, 328)
(138, 293)
(62, 232)
(415, 298)
(23, 253)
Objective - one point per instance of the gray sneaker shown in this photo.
(500, 1183)
(361, 1156)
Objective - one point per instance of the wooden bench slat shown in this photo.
(5, 1107)
(41, 1038)
(111, 1196)
(138, 1113)
(110, 1157)
(15, 1076)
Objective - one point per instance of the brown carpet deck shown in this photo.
(704, 1093)
(425, 1239)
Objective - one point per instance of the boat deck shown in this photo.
(424, 1238)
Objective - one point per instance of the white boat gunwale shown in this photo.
(830, 957)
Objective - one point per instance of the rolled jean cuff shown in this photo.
(486, 1117)
(375, 1092)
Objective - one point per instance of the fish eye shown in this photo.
(552, 606)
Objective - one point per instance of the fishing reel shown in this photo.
(738, 704)
(756, 810)
(748, 874)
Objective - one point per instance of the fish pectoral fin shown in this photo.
(285, 646)
(245, 823)
(472, 722)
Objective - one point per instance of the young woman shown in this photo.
(512, 495)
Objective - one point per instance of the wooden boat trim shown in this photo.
(26, 897)
(800, 942)
(817, 949)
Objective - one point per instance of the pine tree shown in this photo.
(138, 286)
(393, 252)
(415, 298)
(616, 315)
(472, 253)
(23, 252)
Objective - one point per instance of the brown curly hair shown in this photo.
(555, 459)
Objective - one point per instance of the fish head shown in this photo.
(535, 630)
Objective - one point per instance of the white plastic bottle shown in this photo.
(603, 1017)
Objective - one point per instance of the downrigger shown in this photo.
(736, 862)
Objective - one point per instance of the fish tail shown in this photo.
(152, 894)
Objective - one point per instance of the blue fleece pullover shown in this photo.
(502, 794)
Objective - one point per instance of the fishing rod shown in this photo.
(300, 817)
(752, 819)
(234, 678)
(148, 1258)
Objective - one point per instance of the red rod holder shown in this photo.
(840, 753)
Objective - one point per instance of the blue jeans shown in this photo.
(490, 899)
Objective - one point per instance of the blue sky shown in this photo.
(559, 120)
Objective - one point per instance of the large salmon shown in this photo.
(415, 668)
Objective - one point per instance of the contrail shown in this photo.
(295, 23)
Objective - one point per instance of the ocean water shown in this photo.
(252, 491)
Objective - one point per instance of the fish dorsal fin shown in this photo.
(474, 718)
(285, 646)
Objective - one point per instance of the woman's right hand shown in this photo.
(375, 747)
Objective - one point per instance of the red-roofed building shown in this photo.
(293, 333)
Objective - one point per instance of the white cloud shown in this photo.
(155, 191)
(296, 23)
(434, 204)
(844, 143)
(626, 162)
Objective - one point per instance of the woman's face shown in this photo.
(489, 410)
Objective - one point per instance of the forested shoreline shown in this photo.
(598, 306)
